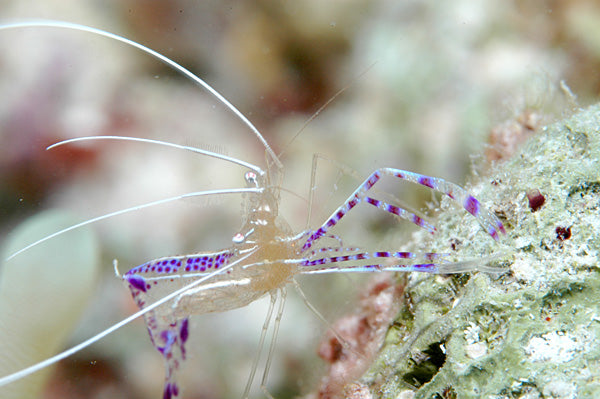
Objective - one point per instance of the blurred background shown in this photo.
(442, 89)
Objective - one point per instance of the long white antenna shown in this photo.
(163, 143)
(69, 25)
(136, 208)
(50, 361)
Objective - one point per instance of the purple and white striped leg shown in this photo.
(168, 335)
(486, 219)
(410, 261)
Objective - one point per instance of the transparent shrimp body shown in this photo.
(258, 261)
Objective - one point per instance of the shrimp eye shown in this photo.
(238, 238)
(251, 179)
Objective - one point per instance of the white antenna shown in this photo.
(54, 359)
(69, 25)
(163, 143)
(137, 208)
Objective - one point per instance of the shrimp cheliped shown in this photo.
(265, 255)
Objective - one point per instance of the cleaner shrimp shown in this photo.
(265, 255)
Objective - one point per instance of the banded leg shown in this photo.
(428, 262)
(411, 261)
(168, 335)
(171, 339)
(487, 220)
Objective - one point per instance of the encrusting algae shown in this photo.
(532, 331)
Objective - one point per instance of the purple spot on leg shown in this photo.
(501, 227)
(404, 255)
(175, 389)
(426, 181)
(425, 267)
(372, 201)
(137, 282)
(493, 233)
(184, 330)
(472, 205)
(417, 220)
(431, 255)
(168, 338)
(171, 390)
(372, 181)
(384, 254)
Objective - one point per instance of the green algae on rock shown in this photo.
(533, 331)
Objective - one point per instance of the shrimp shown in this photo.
(265, 255)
